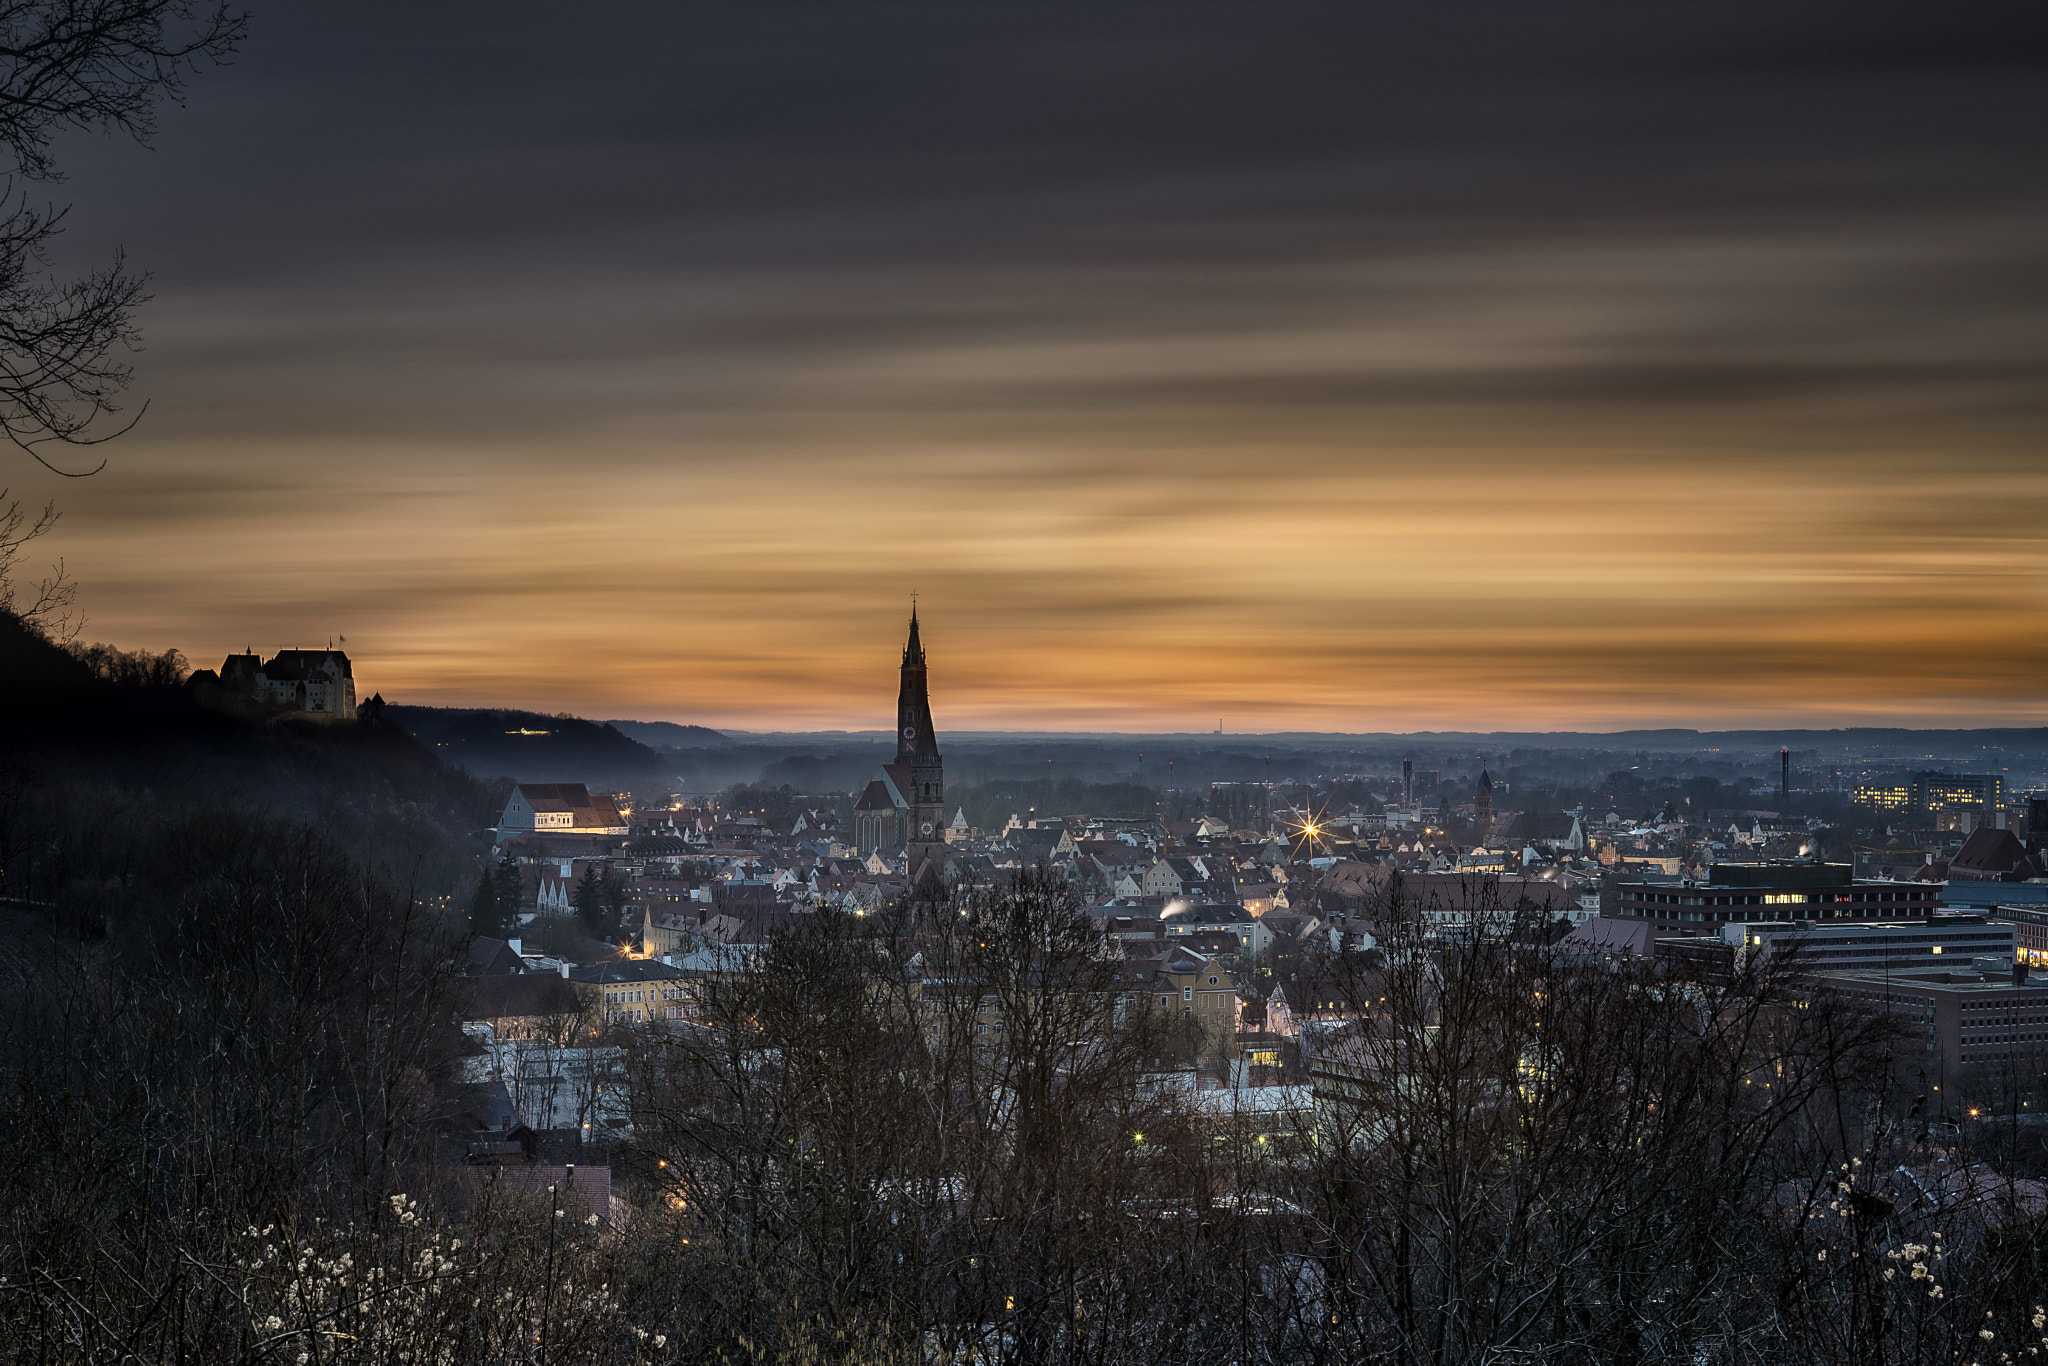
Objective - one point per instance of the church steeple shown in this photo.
(913, 649)
(917, 759)
(915, 738)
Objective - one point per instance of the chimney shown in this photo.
(1784, 777)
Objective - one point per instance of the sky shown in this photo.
(1350, 367)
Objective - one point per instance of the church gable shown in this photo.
(879, 796)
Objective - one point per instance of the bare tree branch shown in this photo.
(99, 66)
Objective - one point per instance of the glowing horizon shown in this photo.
(1402, 393)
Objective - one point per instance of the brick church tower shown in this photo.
(917, 750)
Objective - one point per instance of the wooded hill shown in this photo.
(533, 748)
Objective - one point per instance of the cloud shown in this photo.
(1328, 367)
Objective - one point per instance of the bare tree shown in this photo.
(46, 606)
(99, 66)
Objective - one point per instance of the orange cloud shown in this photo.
(1578, 484)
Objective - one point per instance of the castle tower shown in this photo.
(1483, 819)
(917, 749)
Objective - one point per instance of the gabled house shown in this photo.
(1162, 879)
(560, 808)
(1990, 855)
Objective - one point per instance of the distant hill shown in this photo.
(132, 758)
(669, 735)
(531, 748)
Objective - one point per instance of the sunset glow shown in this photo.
(1307, 434)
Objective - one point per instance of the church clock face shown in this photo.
(926, 827)
(910, 732)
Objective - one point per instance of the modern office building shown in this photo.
(1759, 893)
(1979, 1016)
(1958, 791)
(1928, 792)
(1636, 914)
(1937, 941)
(2030, 925)
(1884, 796)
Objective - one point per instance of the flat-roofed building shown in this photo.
(2030, 925)
(1883, 796)
(1962, 1019)
(1937, 941)
(1760, 893)
(1957, 791)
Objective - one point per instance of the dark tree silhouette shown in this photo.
(44, 607)
(590, 902)
(96, 66)
(510, 891)
(487, 917)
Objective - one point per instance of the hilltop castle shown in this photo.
(311, 682)
(902, 810)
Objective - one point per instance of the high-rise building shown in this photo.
(1883, 796)
(1930, 792)
(1957, 791)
